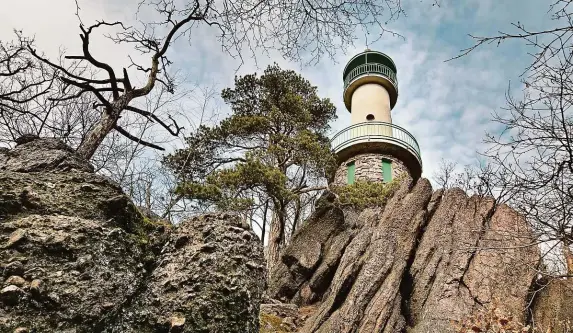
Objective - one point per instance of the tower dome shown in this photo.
(370, 67)
(373, 148)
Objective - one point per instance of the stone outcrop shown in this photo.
(209, 277)
(40, 155)
(78, 256)
(425, 259)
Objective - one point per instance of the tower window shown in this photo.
(370, 117)
(387, 170)
(351, 169)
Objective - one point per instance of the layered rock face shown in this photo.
(415, 265)
(77, 256)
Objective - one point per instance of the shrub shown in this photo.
(365, 194)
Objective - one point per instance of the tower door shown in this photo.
(387, 170)
(351, 171)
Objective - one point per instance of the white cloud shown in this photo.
(446, 105)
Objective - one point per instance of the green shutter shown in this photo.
(387, 170)
(351, 170)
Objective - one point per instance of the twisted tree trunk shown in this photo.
(96, 136)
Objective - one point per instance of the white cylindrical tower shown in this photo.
(372, 148)
(369, 102)
(370, 86)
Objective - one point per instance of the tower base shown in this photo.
(369, 167)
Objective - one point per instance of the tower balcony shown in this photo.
(381, 138)
(370, 67)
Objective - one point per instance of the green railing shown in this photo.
(376, 131)
(371, 68)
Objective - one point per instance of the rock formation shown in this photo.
(209, 277)
(415, 265)
(553, 306)
(77, 256)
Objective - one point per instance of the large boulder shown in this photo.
(33, 154)
(210, 277)
(75, 272)
(73, 240)
(416, 264)
(470, 255)
(78, 256)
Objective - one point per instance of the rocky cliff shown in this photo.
(423, 260)
(78, 256)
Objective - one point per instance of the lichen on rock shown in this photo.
(210, 272)
(78, 256)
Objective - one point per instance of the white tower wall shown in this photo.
(370, 98)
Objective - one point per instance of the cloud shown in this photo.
(445, 105)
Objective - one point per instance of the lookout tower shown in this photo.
(372, 148)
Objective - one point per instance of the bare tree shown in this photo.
(533, 155)
(483, 178)
(297, 30)
(443, 177)
(34, 101)
(138, 170)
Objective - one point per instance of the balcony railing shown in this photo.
(376, 131)
(371, 68)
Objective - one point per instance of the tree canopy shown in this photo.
(272, 147)
(529, 163)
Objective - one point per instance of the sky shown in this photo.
(446, 105)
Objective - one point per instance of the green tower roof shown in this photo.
(369, 56)
(370, 67)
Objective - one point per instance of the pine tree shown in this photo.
(272, 148)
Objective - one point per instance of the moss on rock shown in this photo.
(273, 324)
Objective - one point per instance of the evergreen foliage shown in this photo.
(363, 194)
(274, 142)
(272, 147)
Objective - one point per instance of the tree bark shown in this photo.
(264, 226)
(148, 196)
(96, 136)
(106, 124)
(568, 256)
(296, 218)
(276, 237)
